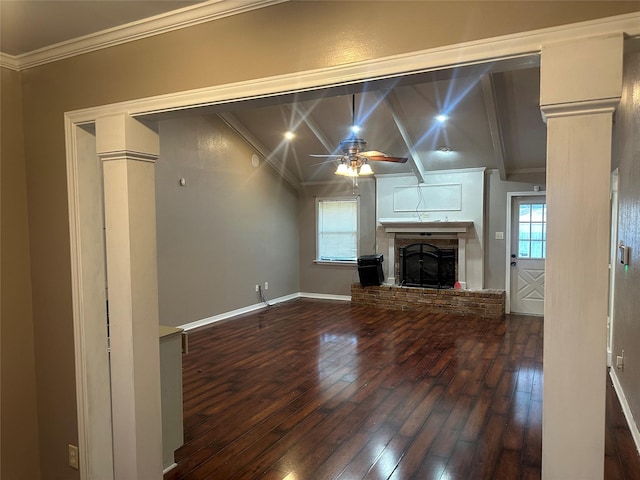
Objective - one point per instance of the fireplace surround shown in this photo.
(399, 233)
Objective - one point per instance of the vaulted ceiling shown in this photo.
(493, 115)
(493, 121)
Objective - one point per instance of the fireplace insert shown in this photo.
(425, 265)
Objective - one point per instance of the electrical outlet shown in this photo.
(257, 288)
(74, 461)
(266, 285)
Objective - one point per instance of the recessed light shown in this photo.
(444, 148)
(289, 135)
(355, 128)
(441, 118)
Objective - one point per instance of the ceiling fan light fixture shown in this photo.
(342, 169)
(354, 159)
(365, 169)
(442, 118)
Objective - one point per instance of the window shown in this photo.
(337, 229)
(532, 231)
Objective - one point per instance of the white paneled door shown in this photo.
(528, 252)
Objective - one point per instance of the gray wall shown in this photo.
(496, 221)
(334, 279)
(231, 226)
(19, 435)
(626, 150)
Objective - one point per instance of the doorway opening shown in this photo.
(526, 252)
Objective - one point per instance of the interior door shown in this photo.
(528, 253)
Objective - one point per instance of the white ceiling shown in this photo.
(494, 117)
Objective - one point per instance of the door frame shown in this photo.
(511, 196)
(613, 252)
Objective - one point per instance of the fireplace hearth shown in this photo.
(481, 303)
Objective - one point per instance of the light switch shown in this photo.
(499, 235)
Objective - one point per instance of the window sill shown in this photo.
(344, 263)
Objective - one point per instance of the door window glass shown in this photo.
(532, 231)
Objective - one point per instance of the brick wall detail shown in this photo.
(483, 303)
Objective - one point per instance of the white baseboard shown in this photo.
(169, 468)
(633, 426)
(222, 316)
(325, 296)
(252, 308)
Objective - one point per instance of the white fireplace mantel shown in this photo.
(458, 230)
(404, 226)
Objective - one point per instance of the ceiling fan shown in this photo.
(354, 158)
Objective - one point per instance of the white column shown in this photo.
(580, 86)
(128, 150)
(462, 260)
(391, 259)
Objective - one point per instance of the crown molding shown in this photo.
(9, 61)
(156, 25)
(467, 53)
(584, 107)
(496, 48)
(216, 9)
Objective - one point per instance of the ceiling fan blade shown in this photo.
(326, 156)
(387, 158)
(377, 156)
(373, 153)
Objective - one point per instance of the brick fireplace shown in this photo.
(392, 295)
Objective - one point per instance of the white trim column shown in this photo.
(391, 258)
(462, 260)
(128, 150)
(581, 85)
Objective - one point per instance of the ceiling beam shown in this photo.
(329, 146)
(305, 114)
(489, 92)
(400, 119)
(248, 137)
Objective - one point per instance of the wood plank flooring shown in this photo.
(314, 389)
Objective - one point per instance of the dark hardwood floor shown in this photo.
(314, 389)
